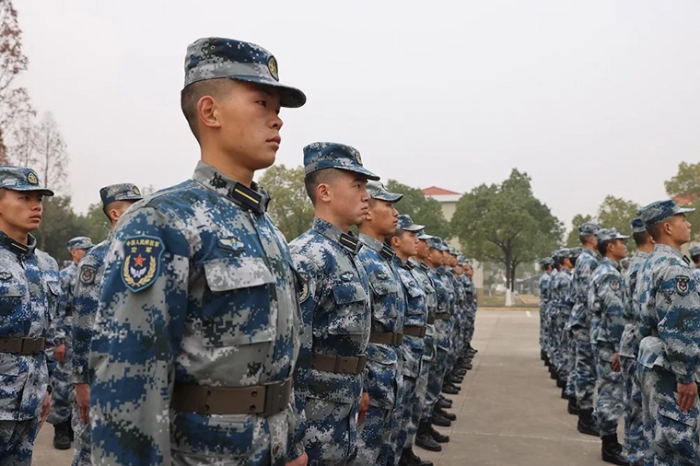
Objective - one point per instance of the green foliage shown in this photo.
(506, 224)
(423, 210)
(572, 240)
(616, 212)
(290, 206)
(686, 183)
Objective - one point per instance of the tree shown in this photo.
(616, 212)
(289, 206)
(423, 210)
(41, 146)
(14, 100)
(686, 183)
(572, 240)
(506, 224)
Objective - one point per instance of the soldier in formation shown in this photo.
(641, 327)
(196, 334)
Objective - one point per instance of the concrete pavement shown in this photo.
(508, 413)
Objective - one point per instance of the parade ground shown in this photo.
(508, 413)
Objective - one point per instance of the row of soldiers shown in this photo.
(196, 334)
(630, 336)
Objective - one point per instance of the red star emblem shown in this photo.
(138, 260)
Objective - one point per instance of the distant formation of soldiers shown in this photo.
(195, 334)
(631, 335)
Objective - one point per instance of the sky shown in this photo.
(589, 98)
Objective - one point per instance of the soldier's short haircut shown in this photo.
(312, 180)
(584, 238)
(190, 95)
(397, 234)
(603, 247)
(640, 238)
(656, 230)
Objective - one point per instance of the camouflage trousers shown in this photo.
(570, 389)
(429, 364)
(81, 432)
(562, 344)
(376, 437)
(404, 410)
(17, 442)
(331, 432)
(584, 367)
(415, 408)
(543, 328)
(469, 330)
(609, 405)
(634, 426)
(437, 373)
(62, 394)
(671, 434)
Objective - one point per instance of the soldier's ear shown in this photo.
(208, 112)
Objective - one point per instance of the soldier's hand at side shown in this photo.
(616, 362)
(301, 461)
(82, 399)
(364, 406)
(687, 393)
(45, 408)
(60, 353)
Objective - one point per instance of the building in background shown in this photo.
(448, 201)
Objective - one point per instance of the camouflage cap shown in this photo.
(660, 210)
(423, 236)
(609, 234)
(625, 263)
(120, 192)
(588, 228)
(436, 243)
(406, 224)
(323, 155)
(575, 252)
(694, 251)
(80, 242)
(453, 251)
(546, 262)
(21, 179)
(637, 225)
(216, 57)
(377, 190)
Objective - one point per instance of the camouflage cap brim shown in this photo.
(361, 170)
(388, 197)
(290, 97)
(43, 191)
(414, 228)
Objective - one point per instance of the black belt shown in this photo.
(414, 331)
(263, 400)
(431, 320)
(443, 316)
(22, 345)
(339, 364)
(386, 338)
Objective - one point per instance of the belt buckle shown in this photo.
(361, 363)
(398, 339)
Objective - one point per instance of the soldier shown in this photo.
(383, 378)
(579, 324)
(695, 257)
(335, 304)
(546, 266)
(426, 436)
(561, 289)
(629, 348)
(198, 321)
(30, 291)
(669, 352)
(471, 313)
(62, 395)
(404, 242)
(570, 389)
(607, 299)
(551, 316)
(447, 327)
(116, 199)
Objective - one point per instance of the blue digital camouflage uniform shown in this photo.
(62, 394)
(607, 299)
(544, 304)
(459, 317)
(383, 377)
(695, 253)
(579, 323)
(629, 349)
(412, 347)
(335, 305)
(30, 291)
(470, 324)
(669, 352)
(561, 289)
(550, 318)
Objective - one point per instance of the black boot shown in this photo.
(564, 396)
(445, 414)
(440, 420)
(586, 424)
(573, 406)
(437, 436)
(542, 356)
(61, 437)
(450, 389)
(561, 383)
(416, 460)
(453, 379)
(612, 451)
(424, 438)
(444, 402)
(553, 373)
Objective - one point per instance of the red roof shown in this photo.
(435, 191)
(685, 200)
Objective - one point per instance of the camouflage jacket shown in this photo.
(86, 298)
(420, 273)
(335, 306)
(64, 319)
(30, 291)
(670, 308)
(199, 288)
(607, 298)
(544, 290)
(416, 316)
(561, 290)
(585, 265)
(629, 343)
